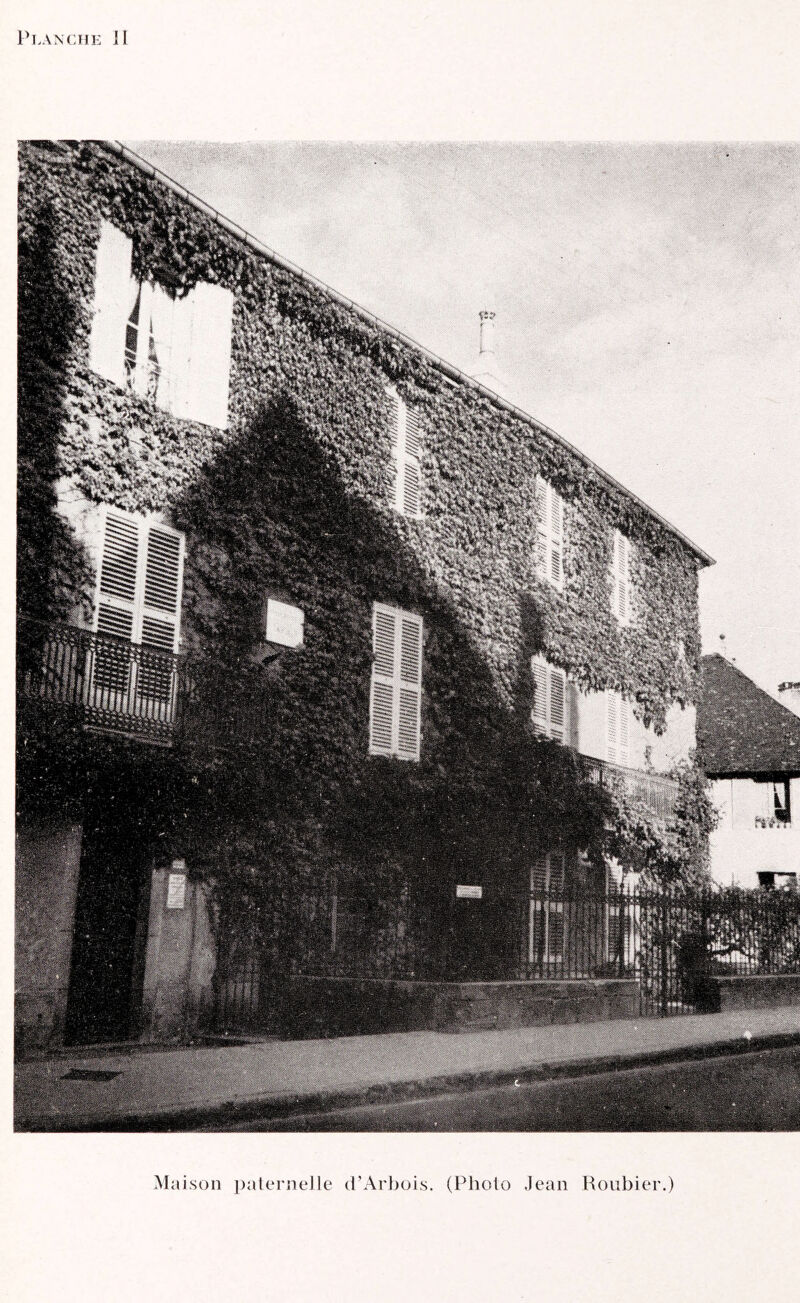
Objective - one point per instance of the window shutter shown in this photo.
(383, 693)
(539, 713)
(410, 690)
(210, 355)
(619, 577)
(161, 605)
(111, 304)
(612, 727)
(549, 713)
(539, 875)
(557, 704)
(556, 537)
(396, 683)
(624, 731)
(549, 533)
(406, 449)
(542, 526)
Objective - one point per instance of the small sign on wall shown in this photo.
(284, 623)
(176, 890)
(469, 893)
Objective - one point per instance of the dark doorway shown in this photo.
(110, 930)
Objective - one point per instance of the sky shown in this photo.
(647, 301)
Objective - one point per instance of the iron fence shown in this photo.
(671, 943)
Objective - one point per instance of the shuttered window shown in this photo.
(140, 580)
(549, 533)
(549, 713)
(396, 693)
(620, 580)
(618, 728)
(546, 911)
(176, 351)
(406, 453)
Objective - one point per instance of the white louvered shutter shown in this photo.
(412, 481)
(624, 731)
(549, 713)
(396, 691)
(111, 304)
(558, 704)
(410, 686)
(539, 714)
(549, 533)
(381, 725)
(160, 616)
(619, 577)
(210, 355)
(618, 728)
(406, 451)
(612, 727)
(115, 614)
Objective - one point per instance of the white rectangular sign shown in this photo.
(176, 891)
(469, 893)
(284, 623)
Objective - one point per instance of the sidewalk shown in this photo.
(146, 1089)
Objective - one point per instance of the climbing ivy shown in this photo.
(293, 499)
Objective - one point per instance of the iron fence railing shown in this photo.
(656, 792)
(110, 684)
(672, 943)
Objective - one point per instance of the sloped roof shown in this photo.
(741, 729)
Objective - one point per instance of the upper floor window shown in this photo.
(406, 451)
(175, 351)
(549, 712)
(619, 721)
(620, 578)
(396, 691)
(139, 582)
(549, 533)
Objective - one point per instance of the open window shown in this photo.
(173, 350)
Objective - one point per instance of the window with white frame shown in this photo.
(174, 350)
(620, 577)
(396, 692)
(406, 453)
(549, 533)
(137, 601)
(549, 713)
(619, 726)
(546, 911)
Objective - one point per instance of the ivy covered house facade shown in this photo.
(314, 629)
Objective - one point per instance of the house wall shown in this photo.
(47, 864)
(739, 849)
(648, 749)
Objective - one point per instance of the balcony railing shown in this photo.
(112, 685)
(656, 792)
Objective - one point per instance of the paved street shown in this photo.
(759, 1091)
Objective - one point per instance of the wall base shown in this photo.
(770, 992)
(321, 1006)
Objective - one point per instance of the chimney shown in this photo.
(789, 694)
(486, 370)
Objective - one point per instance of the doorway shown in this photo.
(110, 930)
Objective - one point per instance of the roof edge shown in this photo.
(452, 372)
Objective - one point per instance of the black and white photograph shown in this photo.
(387, 758)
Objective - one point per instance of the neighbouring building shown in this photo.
(750, 748)
(324, 646)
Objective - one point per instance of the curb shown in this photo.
(278, 1107)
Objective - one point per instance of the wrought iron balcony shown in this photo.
(111, 685)
(656, 792)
